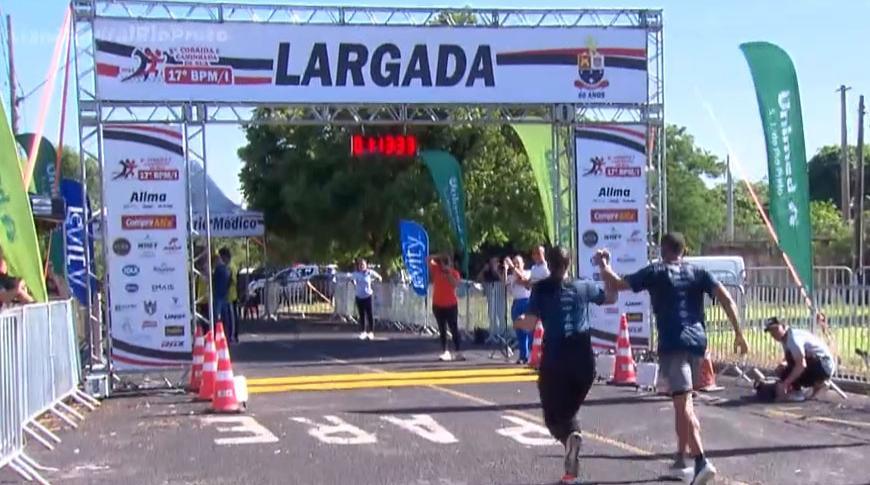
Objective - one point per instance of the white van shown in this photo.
(730, 270)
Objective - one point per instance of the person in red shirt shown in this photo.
(445, 305)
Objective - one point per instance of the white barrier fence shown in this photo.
(39, 373)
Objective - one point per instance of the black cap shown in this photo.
(771, 322)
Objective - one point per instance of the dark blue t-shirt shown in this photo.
(563, 308)
(677, 295)
(221, 282)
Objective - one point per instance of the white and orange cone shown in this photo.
(225, 400)
(209, 369)
(537, 347)
(625, 372)
(198, 359)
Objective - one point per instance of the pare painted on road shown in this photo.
(333, 430)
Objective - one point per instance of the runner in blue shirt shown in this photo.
(677, 290)
(568, 362)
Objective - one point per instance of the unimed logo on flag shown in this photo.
(614, 215)
(143, 223)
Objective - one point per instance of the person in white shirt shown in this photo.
(808, 361)
(520, 293)
(362, 280)
(540, 271)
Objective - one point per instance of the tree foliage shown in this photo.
(824, 173)
(689, 199)
(324, 204)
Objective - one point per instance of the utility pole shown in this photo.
(13, 96)
(845, 199)
(859, 207)
(729, 200)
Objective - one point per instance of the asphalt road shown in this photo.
(326, 408)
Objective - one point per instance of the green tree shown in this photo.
(70, 167)
(325, 205)
(832, 236)
(692, 207)
(748, 224)
(824, 173)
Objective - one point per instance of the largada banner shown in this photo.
(415, 254)
(611, 213)
(143, 60)
(145, 188)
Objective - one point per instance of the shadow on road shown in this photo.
(728, 453)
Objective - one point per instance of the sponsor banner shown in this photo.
(415, 254)
(611, 208)
(144, 60)
(243, 224)
(779, 103)
(146, 239)
(78, 211)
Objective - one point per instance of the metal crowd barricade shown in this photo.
(823, 276)
(297, 298)
(40, 371)
(12, 392)
(848, 322)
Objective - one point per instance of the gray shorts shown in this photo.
(680, 370)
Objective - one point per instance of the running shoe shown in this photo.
(702, 476)
(445, 357)
(371, 336)
(572, 455)
(679, 462)
(363, 336)
(796, 396)
(570, 479)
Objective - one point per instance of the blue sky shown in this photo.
(703, 66)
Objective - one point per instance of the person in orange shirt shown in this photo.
(445, 305)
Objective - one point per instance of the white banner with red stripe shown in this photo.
(146, 227)
(177, 61)
(611, 213)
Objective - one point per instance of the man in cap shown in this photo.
(808, 361)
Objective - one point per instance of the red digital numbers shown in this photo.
(399, 146)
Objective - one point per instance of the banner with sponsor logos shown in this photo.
(78, 211)
(145, 185)
(415, 254)
(236, 224)
(145, 60)
(611, 213)
(779, 102)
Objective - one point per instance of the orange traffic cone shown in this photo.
(624, 373)
(209, 369)
(225, 400)
(707, 380)
(198, 357)
(537, 346)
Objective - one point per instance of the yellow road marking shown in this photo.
(536, 419)
(389, 376)
(372, 384)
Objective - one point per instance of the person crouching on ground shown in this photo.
(808, 361)
(568, 362)
(445, 304)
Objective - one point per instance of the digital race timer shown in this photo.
(399, 146)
